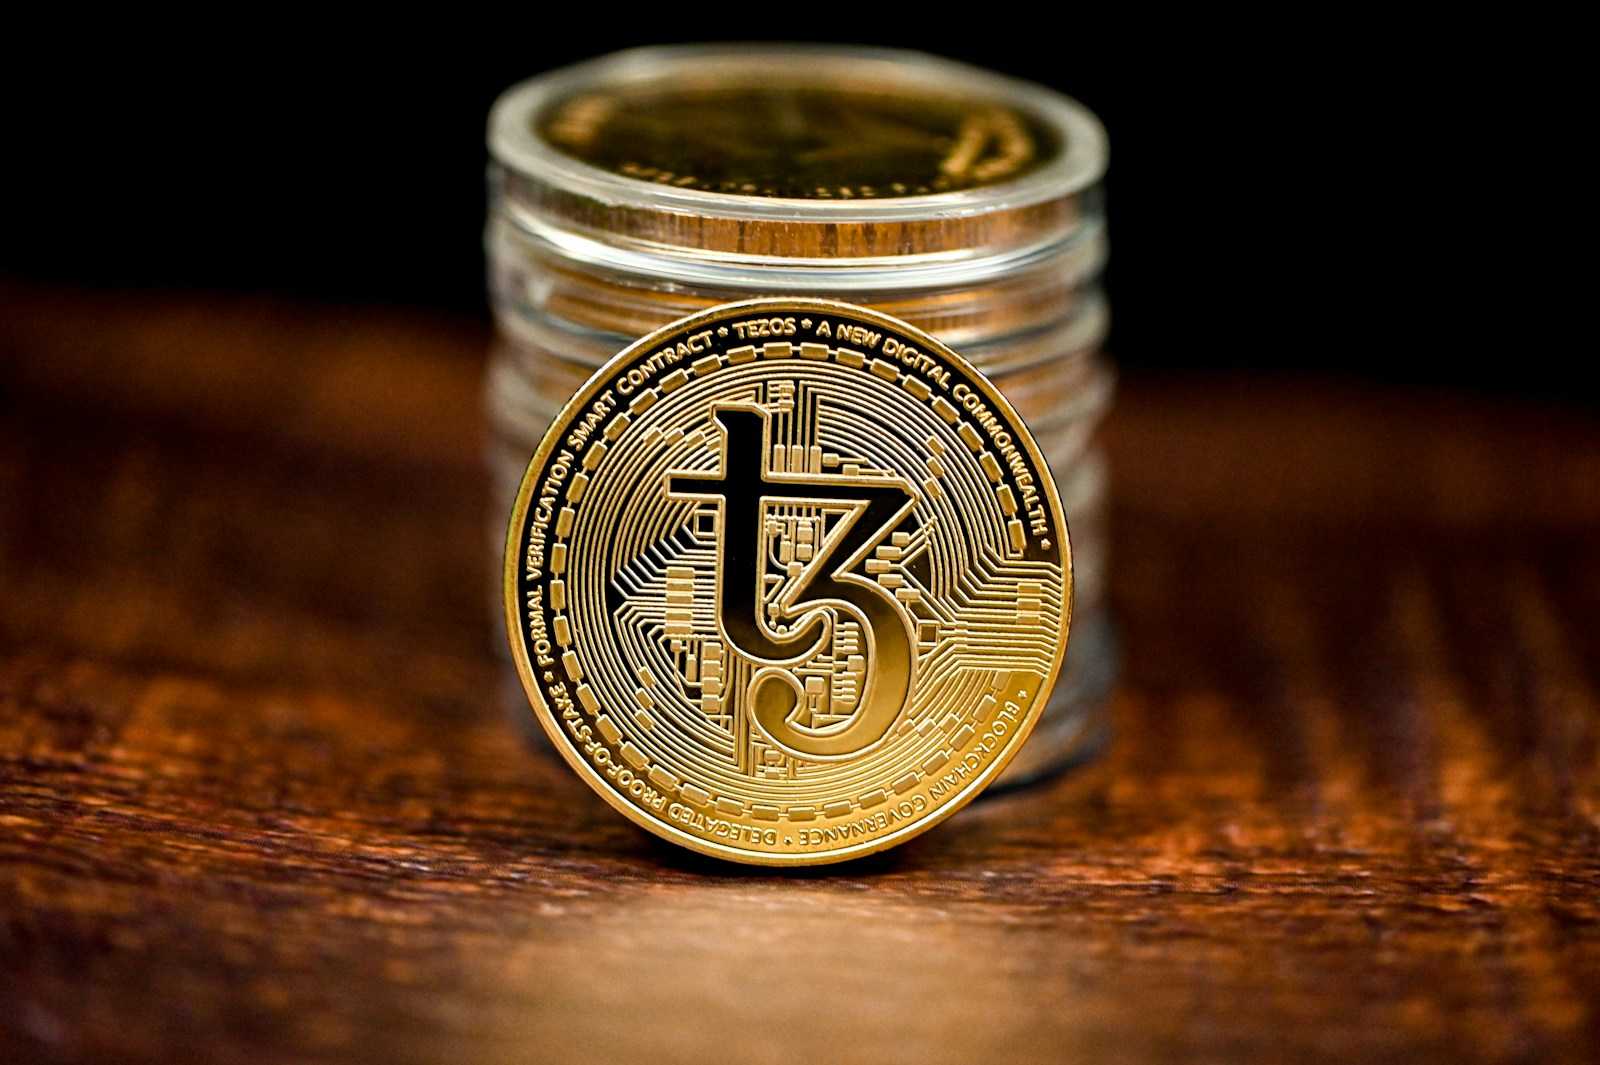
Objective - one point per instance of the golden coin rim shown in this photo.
(546, 716)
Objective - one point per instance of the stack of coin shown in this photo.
(637, 189)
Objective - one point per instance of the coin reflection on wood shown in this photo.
(962, 203)
(788, 582)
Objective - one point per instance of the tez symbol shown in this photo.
(877, 505)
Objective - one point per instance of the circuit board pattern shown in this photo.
(626, 588)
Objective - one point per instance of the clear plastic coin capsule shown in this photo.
(636, 189)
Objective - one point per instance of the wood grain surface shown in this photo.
(261, 799)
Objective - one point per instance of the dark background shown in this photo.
(347, 167)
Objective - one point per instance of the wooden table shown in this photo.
(260, 798)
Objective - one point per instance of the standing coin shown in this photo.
(788, 582)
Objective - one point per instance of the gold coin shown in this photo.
(787, 582)
(789, 139)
